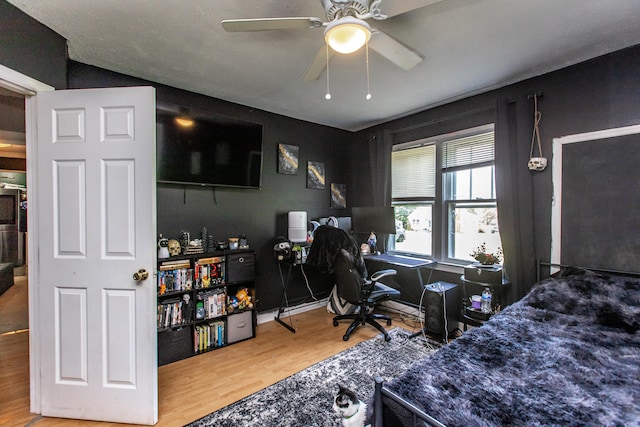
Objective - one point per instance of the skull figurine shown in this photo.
(174, 247)
(537, 164)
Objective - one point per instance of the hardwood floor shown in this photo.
(14, 314)
(194, 387)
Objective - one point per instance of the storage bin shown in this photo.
(175, 344)
(239, 327)
(240, 267)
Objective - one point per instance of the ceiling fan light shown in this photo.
(347, 35)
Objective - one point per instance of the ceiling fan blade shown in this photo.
(317, 64)
(394, 51)
(396, 7)
(267, 24)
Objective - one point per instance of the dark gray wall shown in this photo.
(31, 48)
(260, 214)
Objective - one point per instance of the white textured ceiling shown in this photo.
(469, 46)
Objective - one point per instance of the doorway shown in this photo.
(14, 303)
(19, 85)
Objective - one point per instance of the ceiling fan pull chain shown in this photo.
(368, 97)
(328, 95)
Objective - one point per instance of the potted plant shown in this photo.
(481, 255)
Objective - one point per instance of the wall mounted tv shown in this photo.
(213, 150)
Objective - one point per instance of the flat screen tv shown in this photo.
(213, 151)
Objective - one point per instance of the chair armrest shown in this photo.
(383, 273)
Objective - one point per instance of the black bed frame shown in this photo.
(540, 264)
(417, 414)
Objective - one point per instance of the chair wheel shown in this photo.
(345, 338)
(387, 337)
(335, 323)
(389, 322)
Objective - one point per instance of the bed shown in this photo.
(568, 353)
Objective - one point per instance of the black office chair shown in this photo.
(361, 291)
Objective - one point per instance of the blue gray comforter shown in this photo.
(567, 354)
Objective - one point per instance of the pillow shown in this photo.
(337, 305)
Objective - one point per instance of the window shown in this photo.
(443, 191)
(413, 179)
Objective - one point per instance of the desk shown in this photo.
(406, 262)
(403, 261)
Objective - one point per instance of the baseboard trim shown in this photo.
(393, 306)
(398, 307)
(269, 316)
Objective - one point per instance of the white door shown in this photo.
(96, 203)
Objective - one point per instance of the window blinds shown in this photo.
(468, 150)
(413, 173)
(413, 169)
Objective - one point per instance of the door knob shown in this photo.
(140, 275)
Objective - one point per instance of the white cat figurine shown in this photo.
(350, 408)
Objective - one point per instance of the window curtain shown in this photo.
(380, 145)
(514, 197)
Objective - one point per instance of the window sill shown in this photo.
(448, 268)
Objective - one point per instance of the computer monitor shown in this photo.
(376, 219)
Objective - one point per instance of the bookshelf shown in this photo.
(205, 301)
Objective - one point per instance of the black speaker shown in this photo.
(441, 306)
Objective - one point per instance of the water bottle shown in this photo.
(486, 301)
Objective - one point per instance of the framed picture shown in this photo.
(315, 175)
(288, 159)
(338, 196)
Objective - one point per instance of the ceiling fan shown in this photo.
(346, 23)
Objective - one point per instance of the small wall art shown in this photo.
(315, 175)
(338, 196)
(288, 159)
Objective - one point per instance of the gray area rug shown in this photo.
(306, 398)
